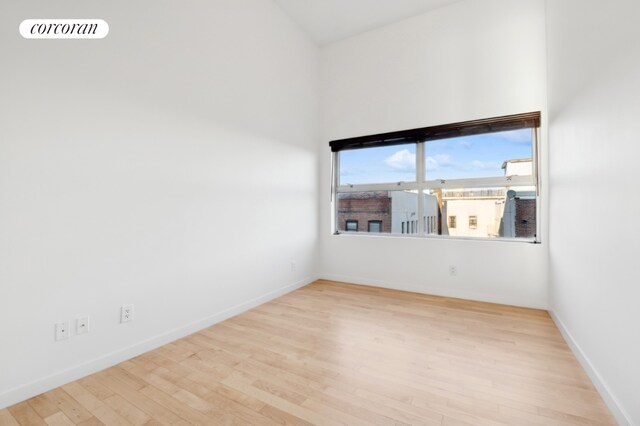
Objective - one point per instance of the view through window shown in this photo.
(482, 184)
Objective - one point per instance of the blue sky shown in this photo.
(455, 158)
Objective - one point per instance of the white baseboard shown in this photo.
(29, 390)
(612, 402)
(439, 291)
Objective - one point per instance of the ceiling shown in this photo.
(327, 21)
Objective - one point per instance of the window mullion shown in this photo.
(400, 186)
(538, 183)
(334, 191)
(480, 182)
(420, 182)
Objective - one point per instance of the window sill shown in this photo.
(437, 237)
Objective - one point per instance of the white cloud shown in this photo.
(437, 161)
(402, 161)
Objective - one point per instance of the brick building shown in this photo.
(364, 212)
(525, 218)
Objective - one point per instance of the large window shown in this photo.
(419, 181)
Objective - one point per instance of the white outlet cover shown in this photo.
(126, 313)
(62, 331)
(82, 325)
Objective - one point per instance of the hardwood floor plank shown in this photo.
(93, 405)
(341, 354)
(6, 419)
(25, 415)
(154, 410)
(183, 410)
(282, 417)
(92, 384)
(69, 406)
(43, 406)
(284, 405)
(127, 410)
(59, 419)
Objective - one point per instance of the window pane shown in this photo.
(488, 155)
(519, 220)
(378, 165)
(473, 222)
(452, 222)
(352, 225)
(375, 226)
(492, 212)
(394, 210)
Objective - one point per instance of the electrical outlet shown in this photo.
(82, 325)
(62, 330)
(126, 313)
(453, 270)
(293, 266)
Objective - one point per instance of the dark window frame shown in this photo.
(444, 131)
(346, 225)
(423, 185)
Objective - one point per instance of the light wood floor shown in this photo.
(333, 353)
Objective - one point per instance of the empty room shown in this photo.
(319, 212)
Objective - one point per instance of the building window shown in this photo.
(473, 222)
(452, 222)
(351, 226)
(489, 174)
(375, 226)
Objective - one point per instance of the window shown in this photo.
(351, 226)
(391, 208)
(484, 170)
(473, 222)
(375, 226)
(377, 165)
(452, 222)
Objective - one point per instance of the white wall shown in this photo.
(474, 59)
(594, 101)
(172, 165)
